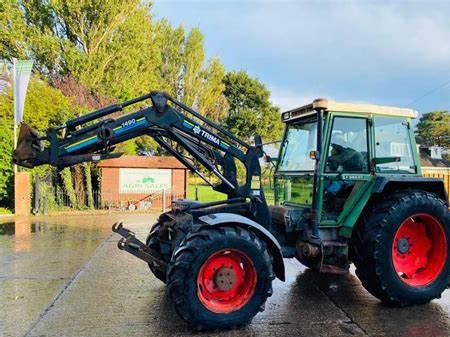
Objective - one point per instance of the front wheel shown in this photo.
(401, 250)
(153, 242)
(220, 277)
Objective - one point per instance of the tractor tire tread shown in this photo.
(367, 242)
(185, 255)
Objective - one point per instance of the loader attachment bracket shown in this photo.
(134, 246)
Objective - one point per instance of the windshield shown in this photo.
(300, 139)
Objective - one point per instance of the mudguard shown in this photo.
(390, 184)
(246, 223)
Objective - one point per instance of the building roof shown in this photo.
(331, 105)
(164, 162)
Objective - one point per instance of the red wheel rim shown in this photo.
(226, 281)
(419, 250)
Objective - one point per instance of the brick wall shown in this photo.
(179, 182)
(22, 193)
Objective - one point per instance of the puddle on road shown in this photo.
(28, 233)
(21, 227)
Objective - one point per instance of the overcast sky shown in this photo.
(354, 51)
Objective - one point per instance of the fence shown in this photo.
(159, 200)
(60, 200)
(438, 172)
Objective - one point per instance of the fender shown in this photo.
(390, 184)
(246, 223)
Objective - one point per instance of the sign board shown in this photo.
(141, 181)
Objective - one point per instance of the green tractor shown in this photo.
(348, 189)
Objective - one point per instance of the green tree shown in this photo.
(170, 41)
(211, 101)
(113, 48)
(251, 111)
(13, 30)
(193, 61)
(186, 75)
(434, 128)
(109, 46)
(44, 107)
(6, 148)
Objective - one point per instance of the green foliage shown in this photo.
(89, 191)
(47, 199)
(251, 111)
(171, 43)
(185, 75)
(193, 59)
(434, 128)
(46, 106)
(5, 211)
(211, 100)
(107, 45)
(66, 177)
(6, 148)
(129, 147)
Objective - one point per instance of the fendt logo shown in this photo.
(198, 130)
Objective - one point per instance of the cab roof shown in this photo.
(330, 105)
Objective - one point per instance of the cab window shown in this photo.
(300, 139)
(392, 143)
(348, 149)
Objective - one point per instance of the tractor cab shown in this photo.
(329, 160)
(345, 145)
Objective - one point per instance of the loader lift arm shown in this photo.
(169, 122)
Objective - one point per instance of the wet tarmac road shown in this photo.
(64, 276)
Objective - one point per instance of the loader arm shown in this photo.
(172, 124)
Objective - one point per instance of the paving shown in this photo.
(64, 276)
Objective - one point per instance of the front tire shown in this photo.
(220, 277)
(153, 242)
(401, 249)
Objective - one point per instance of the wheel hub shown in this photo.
(226, 281)
(225, 278)
(419, 250)
(403, 245)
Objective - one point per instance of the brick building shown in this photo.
(138, 179)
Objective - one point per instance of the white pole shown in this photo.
(14, 109)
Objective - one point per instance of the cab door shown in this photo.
(346, 172)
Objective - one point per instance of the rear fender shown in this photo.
(246, 223)
(387, 185)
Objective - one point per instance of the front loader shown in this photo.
(348, 189)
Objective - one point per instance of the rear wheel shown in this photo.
(220, 277)
(401, 249)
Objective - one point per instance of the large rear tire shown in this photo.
(220, 277)
(401, 249)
